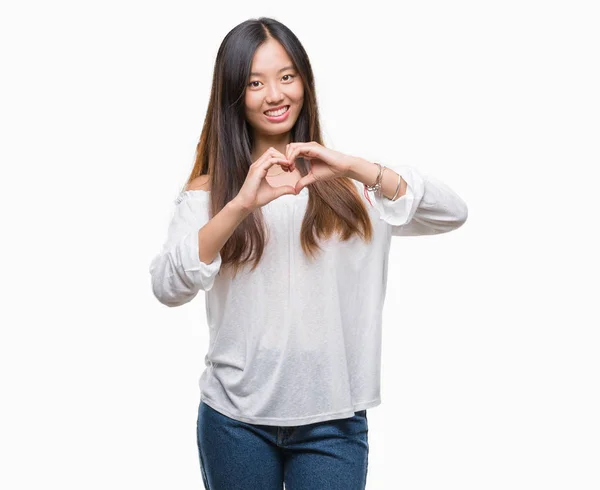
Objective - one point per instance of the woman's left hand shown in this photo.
(324, 163)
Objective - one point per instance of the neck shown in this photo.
(263, 142)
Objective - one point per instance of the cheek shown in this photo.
(298, 95)
(252, 105)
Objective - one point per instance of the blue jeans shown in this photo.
(236, 455)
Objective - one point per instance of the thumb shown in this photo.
(282, 190)
(303, 182)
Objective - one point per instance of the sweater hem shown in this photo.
(323, 417)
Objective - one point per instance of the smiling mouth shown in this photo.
(277, 113)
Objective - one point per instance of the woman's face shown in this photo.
(273, 82)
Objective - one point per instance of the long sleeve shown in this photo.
(176, 271)
(429, 206)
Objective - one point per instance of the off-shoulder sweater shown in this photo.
(297, 341)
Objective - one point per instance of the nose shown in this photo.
(274, 94)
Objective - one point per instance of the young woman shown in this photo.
(289, 240)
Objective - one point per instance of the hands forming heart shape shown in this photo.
(324, 163)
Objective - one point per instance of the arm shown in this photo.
(190, 258)
(215, 233)
(424, 205)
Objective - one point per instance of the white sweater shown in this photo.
(296, 342)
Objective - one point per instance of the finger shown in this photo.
(304, 181)
(262, 159)
(269, 153)
(277, 154)
(275, 161)
(284, 164)
(284, 189)
(306, 150)
(287, 153)
(292, 151)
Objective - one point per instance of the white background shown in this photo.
(490, 371)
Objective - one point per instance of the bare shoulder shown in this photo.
(201, 182)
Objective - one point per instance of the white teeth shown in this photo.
(277, 113)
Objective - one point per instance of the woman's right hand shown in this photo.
(256, 191)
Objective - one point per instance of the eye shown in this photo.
(256, 81)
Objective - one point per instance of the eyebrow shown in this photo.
(256, 74)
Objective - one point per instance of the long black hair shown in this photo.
(224, 150)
